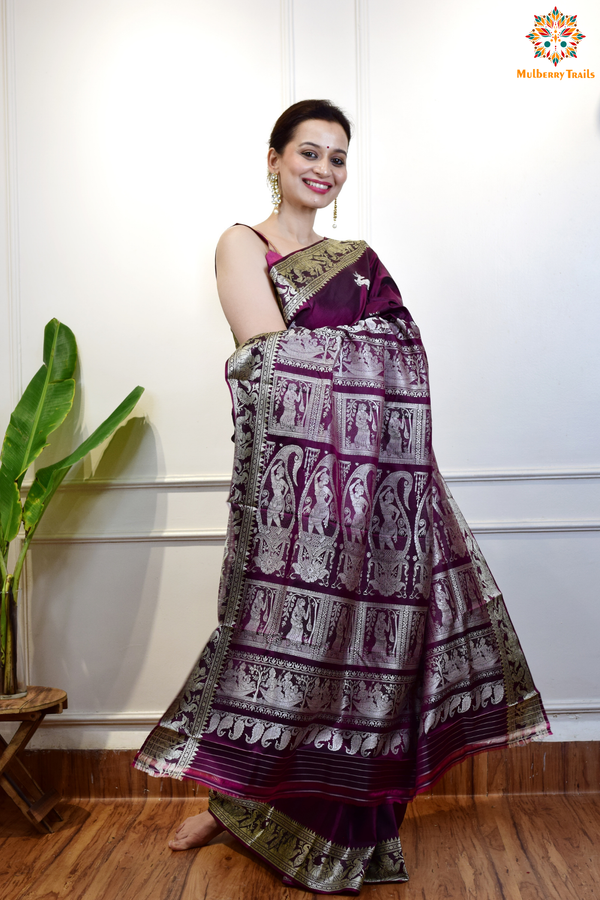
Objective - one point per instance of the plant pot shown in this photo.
(12, 646)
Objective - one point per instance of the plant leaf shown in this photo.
(11, 510)
(45, 403)
(49, 479)
(60, 350)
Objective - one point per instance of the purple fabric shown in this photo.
(363, 646)
(345, 823)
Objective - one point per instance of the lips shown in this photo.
(320, 187)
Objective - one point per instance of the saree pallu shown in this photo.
(363, 646)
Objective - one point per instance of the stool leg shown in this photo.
(9, 786)
(20, 739)
(37, 806)
(27, 781)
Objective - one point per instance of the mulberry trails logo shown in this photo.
(555, 38)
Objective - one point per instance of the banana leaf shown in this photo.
(45, 403)
(47, 480)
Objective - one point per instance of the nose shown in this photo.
(322, 167)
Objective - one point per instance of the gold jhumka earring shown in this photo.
(273, 180)
(334, 213)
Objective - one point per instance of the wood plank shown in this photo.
(537, 768)
(13, 791)
(40, 809)
(103, 774)
(582, 766)
(37, 698)
(537, 847)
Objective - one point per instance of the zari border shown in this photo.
(524, 712)
(303, 855)
(320, 262)
(387, 864)
(239, 367)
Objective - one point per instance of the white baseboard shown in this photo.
(570, 720)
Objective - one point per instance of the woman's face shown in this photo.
(312, 167)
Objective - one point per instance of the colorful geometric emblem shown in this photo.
(555, 36)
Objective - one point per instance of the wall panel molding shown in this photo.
(482, 476)
(363, 125)
(12, 250)
(564, 526)
(223, 482)
(288, 56)
(204, 482)
(218, 534)
(578, 706)
(202, 536)
(7, 11)
(183, 483)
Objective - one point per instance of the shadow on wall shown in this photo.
(95, 577)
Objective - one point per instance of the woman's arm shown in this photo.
(245, 289)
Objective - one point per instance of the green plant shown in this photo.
(46, 402)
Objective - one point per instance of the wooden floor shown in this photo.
(539, 847)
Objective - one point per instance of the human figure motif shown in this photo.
(276, 506)
(340, 630)
(364, 421)
(388, 533)
(319, 694)
(360, 359)
(399, 431)
(238, 680)
(318, 518)
(417, 631)
(289, 691)
(457, 667)
(381, 701)
(293, 406)
(257, 610)
(271, 690)
(483, 655)
(442, 603)
(309, 346)
(381, 632)
(300, 615)
(360, 505)
(229, 680)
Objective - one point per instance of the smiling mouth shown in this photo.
(320, 187)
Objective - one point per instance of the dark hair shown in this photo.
(288, 121)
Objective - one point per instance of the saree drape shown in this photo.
(363, 646)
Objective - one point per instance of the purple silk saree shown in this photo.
(363, 645)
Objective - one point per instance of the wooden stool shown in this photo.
(20, 786)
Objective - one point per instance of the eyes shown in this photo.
(335, 160)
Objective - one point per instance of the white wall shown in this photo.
(135, 132)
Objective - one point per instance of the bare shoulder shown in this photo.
(243, 284)
(239, 239)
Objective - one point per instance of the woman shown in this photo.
(313, 744)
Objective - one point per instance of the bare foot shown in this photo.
(196, 831)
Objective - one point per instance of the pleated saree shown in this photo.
(363, 646)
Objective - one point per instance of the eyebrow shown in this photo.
(319, 147)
